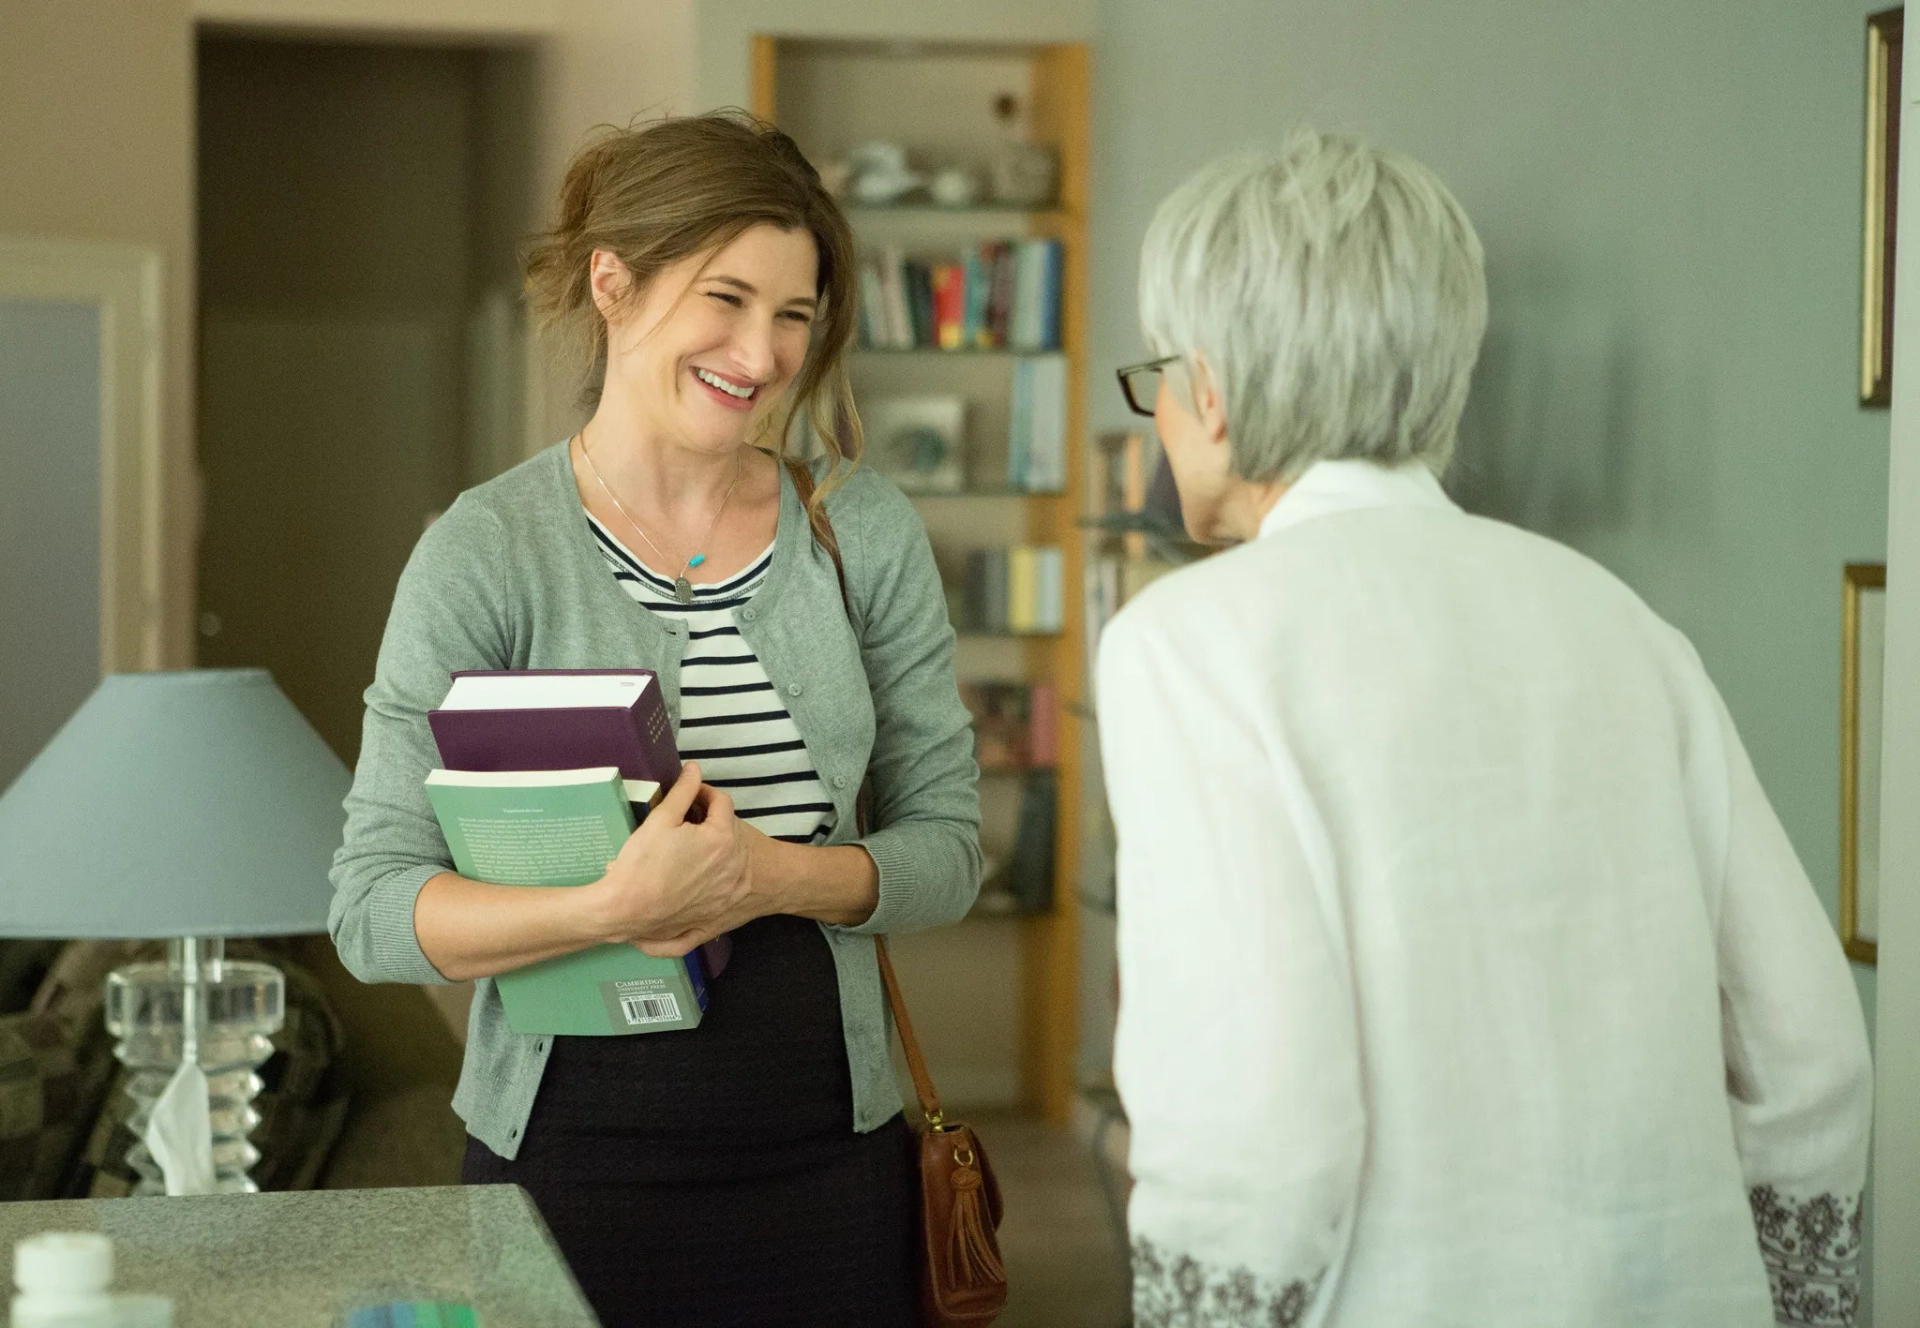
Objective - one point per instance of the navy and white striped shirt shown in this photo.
(731, 720)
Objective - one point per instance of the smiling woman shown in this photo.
(755, 1170)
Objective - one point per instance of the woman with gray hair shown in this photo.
(1469, 975)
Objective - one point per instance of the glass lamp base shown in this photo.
(234, 1009)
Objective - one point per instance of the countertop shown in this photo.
(302, 1259)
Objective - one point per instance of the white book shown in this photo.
(643, 791)
(893, 282)
(1047, 434)
(1049, 612)
(873, 305)
(1020, 428)
(544, 691)
(1028, 326)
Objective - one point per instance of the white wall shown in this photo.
(1670, 201)
(49, 520)
(97, 106)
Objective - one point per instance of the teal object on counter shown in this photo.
(414, 1314)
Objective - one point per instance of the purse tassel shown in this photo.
(971, 1258)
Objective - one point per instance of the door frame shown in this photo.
(123, 283)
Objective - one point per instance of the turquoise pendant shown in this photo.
(696, 560)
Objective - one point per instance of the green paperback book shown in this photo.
(562, 827)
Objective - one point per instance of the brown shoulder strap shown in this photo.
(916, 1065)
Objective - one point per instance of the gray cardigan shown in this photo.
(510, 577)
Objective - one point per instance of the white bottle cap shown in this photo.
(63, 1262)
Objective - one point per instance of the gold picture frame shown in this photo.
(1863, 625)
(1884, 31)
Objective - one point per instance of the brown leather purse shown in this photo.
(963, 1283)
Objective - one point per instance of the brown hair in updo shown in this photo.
(663, 191)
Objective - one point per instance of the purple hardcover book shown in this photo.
(563, 719)
(557, 719)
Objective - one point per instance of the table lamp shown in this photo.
(191, 806)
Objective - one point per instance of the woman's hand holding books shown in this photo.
(685, 876)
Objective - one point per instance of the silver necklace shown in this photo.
(682, 588)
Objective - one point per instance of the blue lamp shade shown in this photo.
(192, 803)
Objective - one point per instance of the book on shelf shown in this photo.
(1000, 264)
(1037, 272)
(1043, 725)
(926, 330)
(949, 283)
(1023, 589)
(1015, 589)
(561, 828)
(1002, 723)
(978, 276)
(1048, 567)
(1016, 725)
(999, 295)
(893, 294)
(1037, 425)
(873, 306)
(1029, 871)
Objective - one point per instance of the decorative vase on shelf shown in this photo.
(1025, 175)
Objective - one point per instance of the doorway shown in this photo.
(362, 346)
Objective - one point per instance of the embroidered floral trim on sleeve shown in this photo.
(1178, 1291)
(1812, 1251)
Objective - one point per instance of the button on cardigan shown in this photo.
(509, 578)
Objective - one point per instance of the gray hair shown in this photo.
(1338, 294)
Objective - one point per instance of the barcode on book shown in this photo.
(658, 1009)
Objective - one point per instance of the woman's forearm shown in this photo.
(839, 885)
(470, 929)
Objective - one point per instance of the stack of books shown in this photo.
(1028, 881)
(1002, 295)
(547, 773)
(1014, 590)
(1037, 428)
(1016, 728)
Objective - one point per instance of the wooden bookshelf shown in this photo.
(931, 97)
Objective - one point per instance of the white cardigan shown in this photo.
(1468, 977)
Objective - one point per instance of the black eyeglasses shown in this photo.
(1140, 383)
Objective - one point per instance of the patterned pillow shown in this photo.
(53, 1077)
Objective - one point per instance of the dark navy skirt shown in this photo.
(713, 1177)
